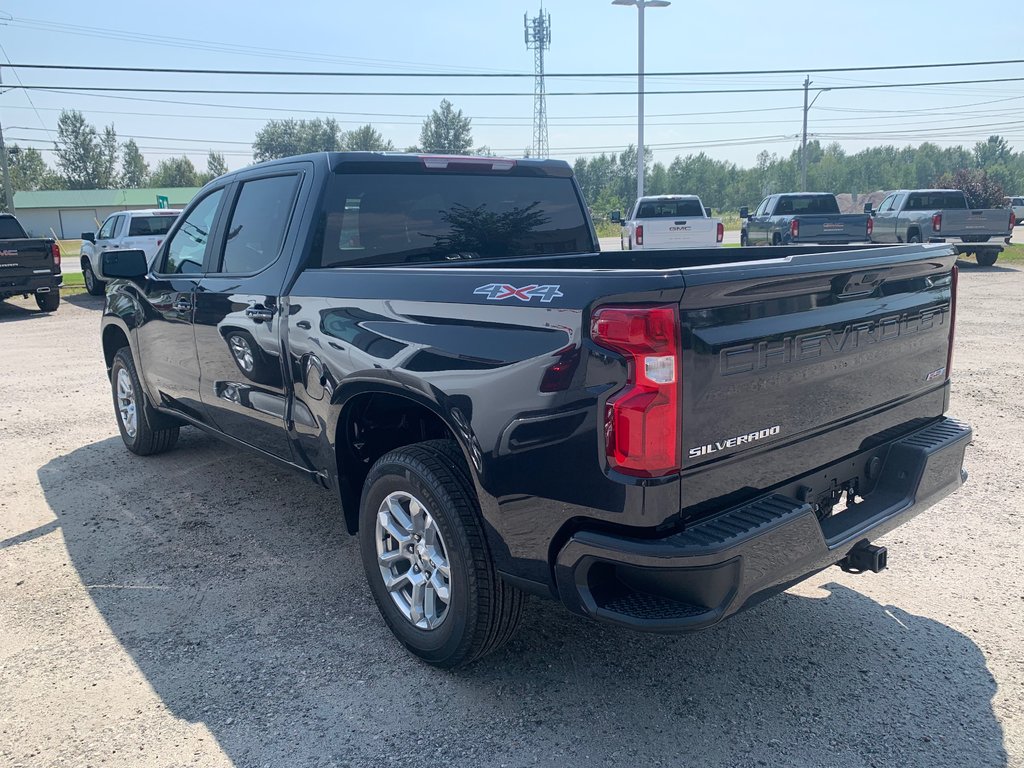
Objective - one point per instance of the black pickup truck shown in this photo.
(656, 439)
(28, 265)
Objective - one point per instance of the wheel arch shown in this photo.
(373, 418)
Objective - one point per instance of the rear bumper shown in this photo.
(695, 578)
(22, 285)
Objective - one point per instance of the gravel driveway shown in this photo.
(205, 608)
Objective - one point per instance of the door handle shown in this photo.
(182, 305)
(260, 314)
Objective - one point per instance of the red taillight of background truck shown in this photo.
(936, 222)
(721, 232)
(638, 236)
(55, 250)
(871, 226)
(642, 420)
(794, 228)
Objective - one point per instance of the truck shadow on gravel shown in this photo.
(236, 591)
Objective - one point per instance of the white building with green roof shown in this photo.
(69, 213)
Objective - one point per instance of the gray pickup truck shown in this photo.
(805, 217)
(939, 216)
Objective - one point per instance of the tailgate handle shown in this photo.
(858, 284)
(679, 222)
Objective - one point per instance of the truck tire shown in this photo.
(136, 418)
(913, 236)
(48, 302)
(418, 518)
(744, 241)
(93, 284)
(776, 239)
(986, 258)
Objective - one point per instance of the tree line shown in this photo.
(91, 158)
(985, 172)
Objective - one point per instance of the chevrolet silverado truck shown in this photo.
(939, 216)
(806, 217)
(29, 266)
(142, 230)
(669, 221)
(657, 440)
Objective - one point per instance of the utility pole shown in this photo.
(8, 189)
(803, 142)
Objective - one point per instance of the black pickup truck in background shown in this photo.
(28, 265)
(793, 218)
(656, 439)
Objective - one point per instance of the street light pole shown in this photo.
(640, 5)
(803, 142)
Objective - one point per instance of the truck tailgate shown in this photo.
(837, 227)
(679, 233)
(775, 352)
(29, 256)
(977, 223)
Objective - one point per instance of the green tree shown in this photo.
(366, 138)
(175, 172)
(79, 156)
(993, 151)
(447, 131)
(284, 138)
(29, 171)
(134, 168)
(216, 165)
(108, 175)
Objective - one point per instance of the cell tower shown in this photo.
(537, 32)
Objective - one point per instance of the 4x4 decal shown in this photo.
(501, 291)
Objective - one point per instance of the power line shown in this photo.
(473, 75)
(446, 94)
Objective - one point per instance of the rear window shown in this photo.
(807, 204)
(141, 226)
(406, 218)
(669, 209)
(930, 201)
(10, 229)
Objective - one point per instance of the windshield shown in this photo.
(150, 225)
(392, 218)
(807, 204)
(10, 229)
(669, 209)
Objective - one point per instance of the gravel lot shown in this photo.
(205, 608)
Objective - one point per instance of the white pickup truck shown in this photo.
(669, 221)
(142, 230)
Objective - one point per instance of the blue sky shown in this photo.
(588, 36)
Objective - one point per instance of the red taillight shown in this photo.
(642, 421)
(871, 226)
(55, 250)
(721, 232)
(1013, 220)
(639, 235)
(952, 319)
(794, 228)
(936, 222)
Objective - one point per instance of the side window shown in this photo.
(763, 208)
(258, 224)
(886, 204)
(184, 254)
(107, 230)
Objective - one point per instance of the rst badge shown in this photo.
(501, 291)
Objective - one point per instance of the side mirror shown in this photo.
(129, 264)
(615, 217)
(744, 212)
(90, 236)
(707, 211)
(869, 209)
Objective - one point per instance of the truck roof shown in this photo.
(670, 197)
(153, 211)
(804, 194)
(903, 191)
(425, 160)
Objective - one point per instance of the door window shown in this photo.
(187, 247)
(258, 224)
(762, 208)
(107, 230)
(886, 204)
